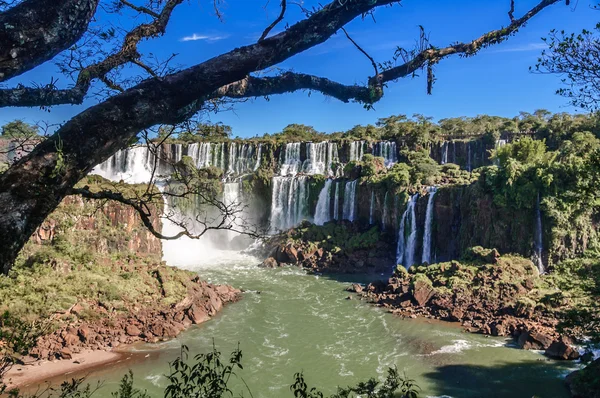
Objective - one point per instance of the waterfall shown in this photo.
(385, 211)
(426, 257)
(372, 208)
(242, 159)
(332, 157)
(349, 208)
(538, 238)
(133, 165)
(387, 150)
(454, 152)
(445, 152)
(258, 157)
(289, 202)
(322, 213)
(336, 202)
(469, 156)
(316, 162)
(356, 150)
(405, 252)
(291, 163)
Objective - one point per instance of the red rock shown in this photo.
(84, 333)
(562, 349)
(534, 340)
(65, 353)
(197, 315)
(269, 263)
(132, 331)
(422, 292)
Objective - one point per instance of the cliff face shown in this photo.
(102, 227)
(465, 217)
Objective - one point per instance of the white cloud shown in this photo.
(526, 47)
(209, 38)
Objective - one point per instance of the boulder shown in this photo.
(534, 340)
(65, 353)
(422, 292)
(562, 349)
(132, 330)
(269, 263)
(197, 315)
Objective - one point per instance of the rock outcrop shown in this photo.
(96, 327)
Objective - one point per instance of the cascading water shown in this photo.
(242, 159)
(538, 238)
(133, 165)
(469, 156)
(291, 164)
(289, 202)
(321, 155)
(258, 157)
(405, 252)
(372, 208)
(336, 201)
(387, 150)
(322, 213)
(232, 199)
(357, 150)
(445, 152)
(349, 208)
(426, 256)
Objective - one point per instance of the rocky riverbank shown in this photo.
(487, 293)
(96, 325)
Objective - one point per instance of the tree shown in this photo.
(19, 129)
(575, 57)
(32, 187)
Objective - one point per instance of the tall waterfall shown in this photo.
(469, 168)
(258, 157)
(357, 150)
(426, 256)
(289, 202)
(538, 238)
(372, 208)
(387, 150)
(405, 252)
(207, 154)
(350, 201)
(322, 213)
(321, 156)
(336, 202)
(291, 164)
(445, 145)
(242, 159)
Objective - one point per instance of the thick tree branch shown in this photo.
(24, 96)
(34, 31)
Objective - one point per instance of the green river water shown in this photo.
(289, 321)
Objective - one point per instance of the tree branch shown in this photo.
(24, 96)
(275, 22)
(34, 31)
(362, 51)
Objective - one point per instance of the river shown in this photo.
(289, 321)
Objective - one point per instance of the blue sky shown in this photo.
(496, 81)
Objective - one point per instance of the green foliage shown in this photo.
(208, 376)
(18, 129)
(575, 57)
(332, 236)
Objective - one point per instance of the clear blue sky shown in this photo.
(496, 81)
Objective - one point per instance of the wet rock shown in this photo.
(562, 349)
(269, 263)
(533, 340)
